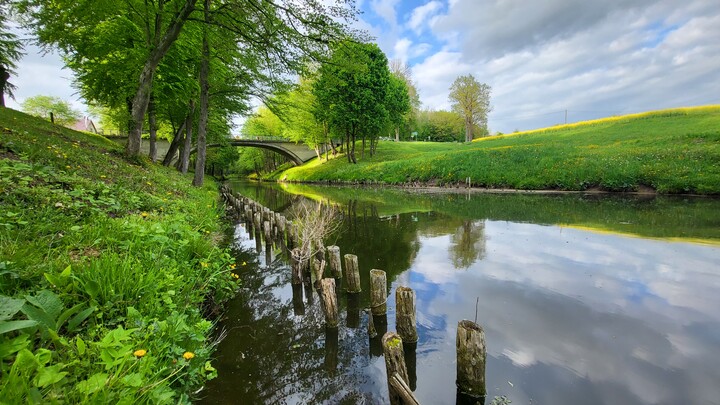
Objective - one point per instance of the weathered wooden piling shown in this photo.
(394, 364)
(334, 261)
(318, 268)
(405, 322)
(329, 302)
(378, 292)
(471, 355)
(257, 221)
(331, 349)
(372, 332)
(352, 274)
(296, 266)
(398, 386)
(381, 327)
(267, 232)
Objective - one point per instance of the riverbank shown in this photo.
(107, 271)
(669, 152)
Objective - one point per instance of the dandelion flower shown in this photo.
(203, 264)
(144, 214)
(140, 353)
(244, 263)
(188, 355)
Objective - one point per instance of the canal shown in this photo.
(584, 299)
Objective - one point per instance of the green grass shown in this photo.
(670, 151)
(101, 258)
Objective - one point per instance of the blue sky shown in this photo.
(591, 58)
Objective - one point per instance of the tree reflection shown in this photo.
(468, 244)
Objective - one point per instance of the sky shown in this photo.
(542, 59)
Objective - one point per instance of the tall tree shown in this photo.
(352, 89)
(471, 100)
(10, 53)
(398, 103)
(403, 71)
(204, 102)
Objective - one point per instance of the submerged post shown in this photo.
(329, 302)
(334, 260)
(352, 274)
(394, 364)
(296, 266)
(378, 292)
(405, 322)
(471, 355)
(318, 268)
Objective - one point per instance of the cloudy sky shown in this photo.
(591, 58)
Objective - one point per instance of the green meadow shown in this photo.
(108, 269)
(668, 151)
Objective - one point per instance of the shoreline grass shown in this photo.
(106, 267)
(673, 151)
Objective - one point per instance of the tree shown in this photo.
(471, 100)
(398, 103)
(351, 91)
(42, 106)
(402, 71)
(10, 53)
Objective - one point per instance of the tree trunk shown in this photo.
(204, 103)
(187, 145)
(178, 138)
(468, 130)
(397, 134)
(152, 122)
(347, 147)
(4, 77)
(362, 154)
(142, 94)
(352, 149)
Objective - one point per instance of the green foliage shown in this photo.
(677, 153)
(42, 106)
(471, 100)
(100, 259)
(440, 126)
(10, 54)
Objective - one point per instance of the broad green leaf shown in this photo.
(133, 380)
(80, 345)
(92, 288)
(50, 375)
(9, 307)
(93, 384)
(9, 326)
(67, 314)
(48, 301)
(43, 320)
(79, 318)
(13, 346)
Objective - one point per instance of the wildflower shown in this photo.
(139, 353)
(234, 275)
(188, 355)
(203, 264)
(233, 265)
(148, 183)
(144, 214)
(102, 176)
(244, 263)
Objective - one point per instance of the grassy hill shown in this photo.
(670, 151)
(105, 266)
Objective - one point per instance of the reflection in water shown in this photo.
(571, 316)
(468, 244)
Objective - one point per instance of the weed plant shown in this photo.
(105, 266)
(670, 151)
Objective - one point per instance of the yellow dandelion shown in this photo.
(203, 264)
(102, 176)
(140, 353)
(188, 355)
(244, 263)
(144, 214)
(233, 265)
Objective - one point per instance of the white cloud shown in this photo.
(385, 9)
(420, 15)
(402, 48)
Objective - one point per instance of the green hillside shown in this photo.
(106, 267)
(670, 151)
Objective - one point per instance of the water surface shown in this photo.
(584, 299)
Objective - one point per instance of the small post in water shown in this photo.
(471, 355)
(352, 274)
(378, 292)
(394, 364)
(334, 259)
(329, 302)
(296, 266)
(405, 318)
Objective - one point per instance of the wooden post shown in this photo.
(380, 324)
(334, 261)
(394, 364)
(371, 327)
(378, 292)
(471, 355)
(352, 274)
(401, 388)
(405, 317)
(329, 302)
(331, 349)
(296, 266)
(258, 240)
(267, 231)
(318, 268)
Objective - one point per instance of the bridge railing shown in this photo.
(261, 138)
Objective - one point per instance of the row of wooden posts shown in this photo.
(470, 339)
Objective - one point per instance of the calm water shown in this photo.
(584, 300)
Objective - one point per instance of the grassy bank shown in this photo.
(671, 151)
(105, 267)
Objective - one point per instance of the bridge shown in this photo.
(299, 153)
